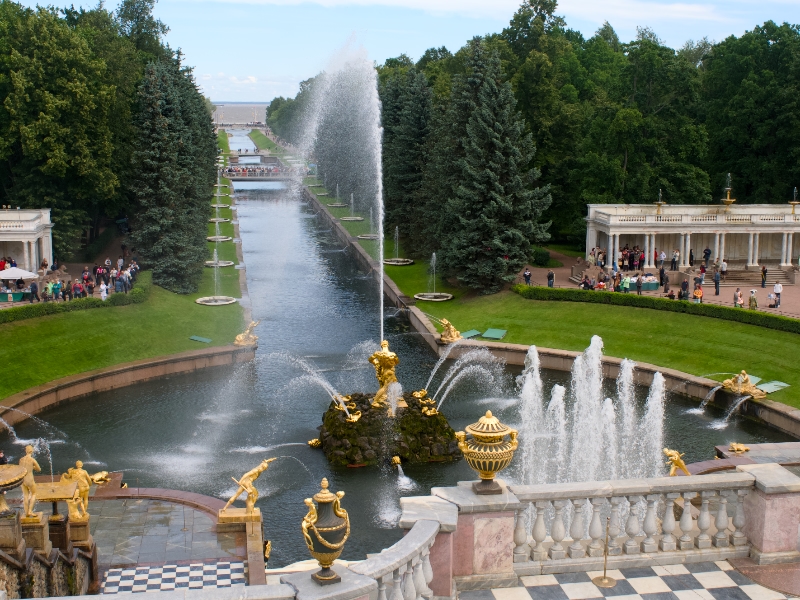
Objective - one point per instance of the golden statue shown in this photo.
(449, 334)
(84, 482)
(423, 397)
(429, 411)
(29, 483)
(315, 443)
(384, 361)
(246, 485)
(674, 459)
(738, 448)
(395, 460)
(76, 505)
(100, 477)
(354, 416)
(741, 384)
(247, 338)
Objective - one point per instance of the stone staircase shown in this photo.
(752, 278)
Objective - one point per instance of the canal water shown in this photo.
(196, 432)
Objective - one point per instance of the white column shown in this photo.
(646, 251)
(34, 257)
(653, 262)
(26, 257)
(716, 247)
(613, 250)
(755, 249)
(789, 249)
(722, 247)
(682, 250)
(750, 251)
(783, 249)
(688, 246)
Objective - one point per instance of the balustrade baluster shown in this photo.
(739, 538)
(614, 549)
(650, 526)
(409, 593)
(397, 589)
(721, 539)
(596, 532)
(632, 526)
(668, 541)
(520, 539)
(558, 531)
(426, 568)
(685, 542)
(576, 529)
(704, 521)
(539, 552)
(382, 588)
(419, 579)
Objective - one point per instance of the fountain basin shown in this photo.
(433, 296)
(222, 195)
(322, 194)
(219, 263)
(338, 205)
(398, 262)
(215, 300)
(219, 238)
(368, 236)
(218, 220)
(351, 218)
(220, 206)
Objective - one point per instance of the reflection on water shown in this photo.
(194, 432)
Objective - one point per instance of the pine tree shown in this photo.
(495, 211)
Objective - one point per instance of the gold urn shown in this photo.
(326, 528)
(487, 452)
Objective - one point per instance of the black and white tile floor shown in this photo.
(698, 581)
(172, 577)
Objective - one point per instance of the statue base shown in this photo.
(487, 487)
(79, 533)
(36, 531)
(236, 519)
(60, 534)
(11, 540)
(326, 576)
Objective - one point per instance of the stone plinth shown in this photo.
(79, 534)
(11, 540)
(236, 519)
(60, 533)
(351, 587)
(772, 514)
(36, 531)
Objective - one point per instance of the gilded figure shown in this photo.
(384, 361)
(247, 338)
(449, 333)
(246, 484)
(29, 483)
(675, 460)
(741, 384)
(738, 448)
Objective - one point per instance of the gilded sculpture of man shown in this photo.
(84, 481)
(384, 361)
(77, 510)
(741, 384)
(29, 483)
(449, 333)
(675, 460)
(246, 484)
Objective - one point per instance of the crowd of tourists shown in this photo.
(101, 280)
(237, 171)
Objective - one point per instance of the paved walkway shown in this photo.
(698, 581)
(173, 577)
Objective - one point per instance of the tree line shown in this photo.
(100, 120)
(479, 176)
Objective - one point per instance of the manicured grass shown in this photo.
(222, 141)
(39, 350)
(566, 250)
(551, 264)
(264, 143)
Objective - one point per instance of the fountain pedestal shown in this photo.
(236, 519)
(11, 540)
(36, 531)
(60, 533)
(79, 534)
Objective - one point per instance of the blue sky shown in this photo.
(254, 50)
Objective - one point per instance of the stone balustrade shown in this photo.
(650, 521)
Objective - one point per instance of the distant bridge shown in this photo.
(258, 176)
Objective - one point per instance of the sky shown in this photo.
(255, 50)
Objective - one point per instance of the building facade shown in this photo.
(26, 236)
(746, 236)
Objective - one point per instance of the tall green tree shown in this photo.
(496, 210)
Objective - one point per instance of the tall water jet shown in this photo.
(608, 425)
(532, 418)
(556, 421)
(651, 429)
(587, 385)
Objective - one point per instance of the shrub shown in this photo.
(540, 257)
(740, 315)
(41, 309)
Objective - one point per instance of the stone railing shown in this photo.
(689, 219)
(662, 520)
(405, 566)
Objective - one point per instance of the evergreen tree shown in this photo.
(174, 167)
(494, 216)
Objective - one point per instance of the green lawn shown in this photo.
(39, 350)
(264, 143)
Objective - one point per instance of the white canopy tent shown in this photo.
(16, 273)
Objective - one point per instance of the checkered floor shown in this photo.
(171, 577)
(698, 581)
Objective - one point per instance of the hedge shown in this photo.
(740, 315)
(41, 309)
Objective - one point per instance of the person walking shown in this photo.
(103, 290)
(716, 283)
(35, 292)
(626, 283)
(753, 302)
(702, 273)
(675, 256)
(527, 276)
(685, 289)
(777, 289)
(723, 266)
(661, 258)
(639, 278)
(706, 255)
(738, 300)
(764, 276)
(551, 278)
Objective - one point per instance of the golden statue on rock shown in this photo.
(741, 384)
(384, 361)
(247, 338)
(449, 334)
(79, 505)
(676, 462)
(246, 484)
(738, 448)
